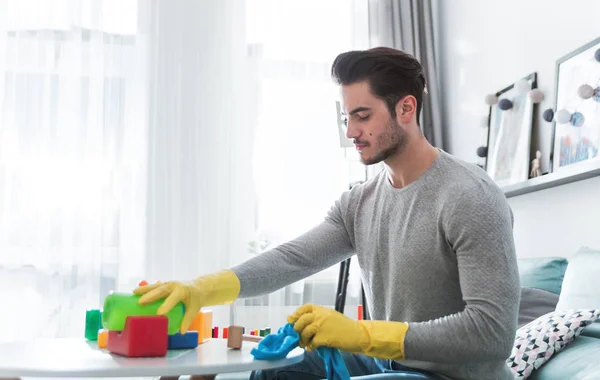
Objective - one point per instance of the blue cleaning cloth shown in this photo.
(277, 346)
(334, 364)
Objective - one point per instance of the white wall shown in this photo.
(486, 46)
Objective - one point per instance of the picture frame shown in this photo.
(508, 155)
(578, 139)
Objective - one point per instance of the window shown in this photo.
(72, 159)
(300, 169)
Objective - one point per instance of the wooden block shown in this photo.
(185, 341)
(237, 336)
(102, 338)
(143, 336)
(234, 340)
(203, 324)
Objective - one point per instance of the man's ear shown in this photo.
(406, 108)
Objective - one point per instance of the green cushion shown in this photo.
(544, 273)
(576, 361)
(592, 330)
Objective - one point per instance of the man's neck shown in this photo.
(412, 162)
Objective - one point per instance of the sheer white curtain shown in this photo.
(162, 140)
(243, 145)
(201, 197)
(299, 167)
(72, 160)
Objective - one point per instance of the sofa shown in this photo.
(560, 284)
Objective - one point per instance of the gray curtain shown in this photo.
(410, 25)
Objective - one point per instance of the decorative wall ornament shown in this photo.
(548, 115)
(505, 104)
(536, 165)
(491, 99)
(536, 95)
(522, 86)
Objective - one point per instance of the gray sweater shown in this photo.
(437, 253)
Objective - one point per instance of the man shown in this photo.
(433, 238)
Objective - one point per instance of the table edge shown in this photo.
(156, 371)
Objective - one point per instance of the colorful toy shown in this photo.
(141, 336)
(118, 306)
(93, 323)
(125, 327)
(102, 338)
(202, 323)
(236, 337)
(185, 341)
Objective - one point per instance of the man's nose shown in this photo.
(351, 131)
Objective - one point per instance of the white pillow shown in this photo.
(580, 288)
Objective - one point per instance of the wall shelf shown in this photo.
(563, 176)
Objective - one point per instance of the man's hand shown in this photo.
(319, 326)
(214, 289)
(192, 297)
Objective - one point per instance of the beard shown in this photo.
(391, 141)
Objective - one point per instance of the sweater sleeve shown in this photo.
(319, 248)
(479, 229)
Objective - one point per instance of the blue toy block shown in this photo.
(185, 341)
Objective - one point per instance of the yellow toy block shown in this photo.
(203, 324)
(102, 338)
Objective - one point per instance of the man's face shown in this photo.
(376, 135)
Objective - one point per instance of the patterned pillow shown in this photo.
(538, 340)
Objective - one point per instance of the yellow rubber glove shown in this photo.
(214, 289)
(319, 326)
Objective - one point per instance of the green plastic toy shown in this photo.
(119, 306)
(92, 324)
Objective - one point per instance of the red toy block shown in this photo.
(142, 336)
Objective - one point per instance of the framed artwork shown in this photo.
(576, 123)
(509, 134)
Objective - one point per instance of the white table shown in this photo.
(80, 358)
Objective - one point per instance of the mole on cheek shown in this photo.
(370, 134)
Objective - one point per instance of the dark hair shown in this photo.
(392, 74)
